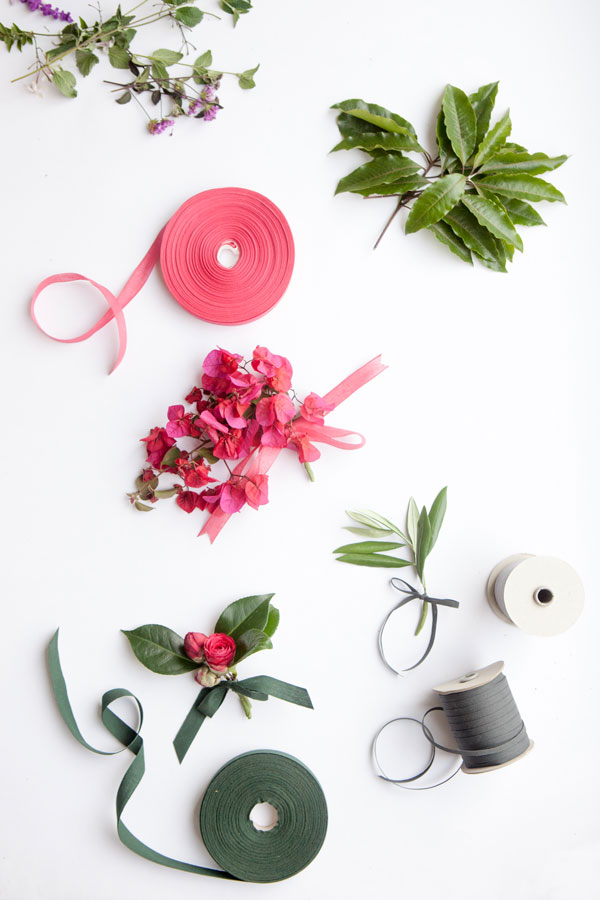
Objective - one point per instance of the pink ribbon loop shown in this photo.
(188, 248)
(260, 460)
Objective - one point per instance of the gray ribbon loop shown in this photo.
(413, 594)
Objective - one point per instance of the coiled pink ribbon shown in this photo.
(187, 248)
(260, 461)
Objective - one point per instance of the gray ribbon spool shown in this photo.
(485, 723)
(507, 730)
(539, 594)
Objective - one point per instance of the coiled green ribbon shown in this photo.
(225, 825)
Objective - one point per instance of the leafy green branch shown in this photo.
(419, 537)
(482, 187)
(189, 93)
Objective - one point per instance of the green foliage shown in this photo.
(14, 37)
(246, 79)
(471, 193)
(160, 649)
(236, 8)
(65, 82)
(251, 622)
(422, 530)
(151, 73)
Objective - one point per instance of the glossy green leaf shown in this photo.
(124, 98)
(493, 217)
(368, 532)
(448, 160)
(460, 121)
(65, 82)
(85, 60)
(396, 188)
(423, 547)
(249, 613)
(498, 262)
(166, 57)
(382, 170)
(368, 547)
(250, 642)
(382, 140)
(171, 457)
(437, 513)
(373, 116)
(119, 58)
(446, 236)
(374, 560)
(520, 163)
(477, 238)
(435, 202)
(493, 140)
(482, 102)
(189, 15)
(522, 213)
(522, 187)
(412, 520)
(272, 621)
(517, 148)
(160, 649)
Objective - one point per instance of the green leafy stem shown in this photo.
(470, 193)
(420, 535)
(150, 71)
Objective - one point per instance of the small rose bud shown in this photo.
(193, 644)
(219, 651)
(206, 678)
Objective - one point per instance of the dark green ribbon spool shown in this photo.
(263, 776)
(228, 833)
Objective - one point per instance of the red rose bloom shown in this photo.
(219, 652)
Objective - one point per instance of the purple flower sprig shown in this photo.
(47, 9)
(190, 93)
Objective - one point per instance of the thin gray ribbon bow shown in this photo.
(413, 594)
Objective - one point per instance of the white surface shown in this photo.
(491, 389)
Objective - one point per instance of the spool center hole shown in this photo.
(544, 596)
(264, 816)
(228, 255)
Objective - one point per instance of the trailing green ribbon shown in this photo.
(131, 740)
(209, 700)
(255, 777)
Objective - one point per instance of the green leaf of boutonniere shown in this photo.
(160, 649)
(248, 613)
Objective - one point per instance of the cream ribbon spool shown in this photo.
(539, 594)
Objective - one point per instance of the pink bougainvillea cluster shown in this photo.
(240, 407)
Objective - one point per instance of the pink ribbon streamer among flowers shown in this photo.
(260, 461)
(246, 412)
(188, 248)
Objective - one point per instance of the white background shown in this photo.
(491, 389)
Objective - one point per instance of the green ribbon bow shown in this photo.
(209, 700)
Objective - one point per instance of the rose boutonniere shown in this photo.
(470, 192)
(243, 628)
(422, 530)
(243, 414)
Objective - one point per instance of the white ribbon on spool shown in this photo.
(539, 594)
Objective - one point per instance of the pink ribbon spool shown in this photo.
(188, 248)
